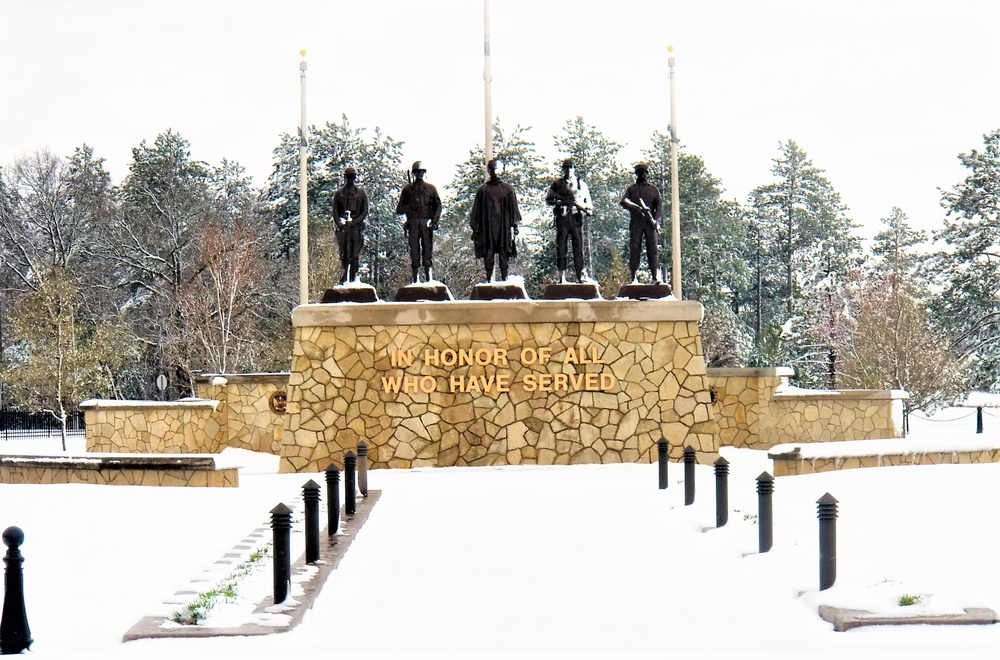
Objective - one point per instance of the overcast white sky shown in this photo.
(881, 94)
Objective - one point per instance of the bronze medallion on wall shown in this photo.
(278, 401)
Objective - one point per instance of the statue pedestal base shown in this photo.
(420, 291)
(567, 291)
(353, 293)
(498, 291)
(646, 292)
(504, 382)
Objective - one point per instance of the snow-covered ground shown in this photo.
(582, 561)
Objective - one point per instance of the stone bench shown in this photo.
(117, 469)
(809, 458)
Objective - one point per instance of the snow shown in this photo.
(906, 446)
(534, 561)
(981, 399)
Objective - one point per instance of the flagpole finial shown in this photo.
(670, 49)
(303, 52)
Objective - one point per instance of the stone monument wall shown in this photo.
(497, 382)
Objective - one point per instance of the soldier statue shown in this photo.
(420, 203)
(350, 208)
(494, 221)
(570, 198)
(645, 207)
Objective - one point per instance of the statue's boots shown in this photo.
(343, 277)
(503, 274)
(429, 272)
(562, 277)
(579, 276)
(414, 275)
(635, 276)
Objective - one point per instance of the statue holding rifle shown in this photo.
(420, 203)
(350, 208)
(645, 208)
(569, 198)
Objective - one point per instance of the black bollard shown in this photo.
(765, 519)
(663, 447)
(14, 634)
(979, 420)
(827, 541)
(688, 475)
(281, 529)
(310, 496)
(363, 468)
(721, 492)
(332, 499)
(350, 461)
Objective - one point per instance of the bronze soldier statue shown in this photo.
(494, 221)
(350, 208)
(570, 198)
(420, 203)
(645, 207)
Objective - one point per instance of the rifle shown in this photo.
(647, 213)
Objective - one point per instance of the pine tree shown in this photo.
(801, 231)
(969, 305)
(714, 267)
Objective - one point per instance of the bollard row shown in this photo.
(281, 517)
(827, 509)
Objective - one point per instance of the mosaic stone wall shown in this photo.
(618, 376)
(840, 415)
(251, 408)
(26, 474)
(787, 465)
(757, 410)
(161, 427)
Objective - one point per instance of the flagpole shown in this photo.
(488, 80)
(675, 211)
(303, 194)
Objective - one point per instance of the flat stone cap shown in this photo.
(466, 312)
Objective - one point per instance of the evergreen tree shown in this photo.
(969, 267)
(894, 250)
(801, 230)
(714, 268)
(189, 245)
(163, 199)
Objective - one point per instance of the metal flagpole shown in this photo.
(675, 211)
(303, 195)
(488, 80)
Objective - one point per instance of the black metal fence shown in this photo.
(20, 424)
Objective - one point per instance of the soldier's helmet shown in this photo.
(568, 163)
(418, 166)
(350, 171)
(641, 167)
